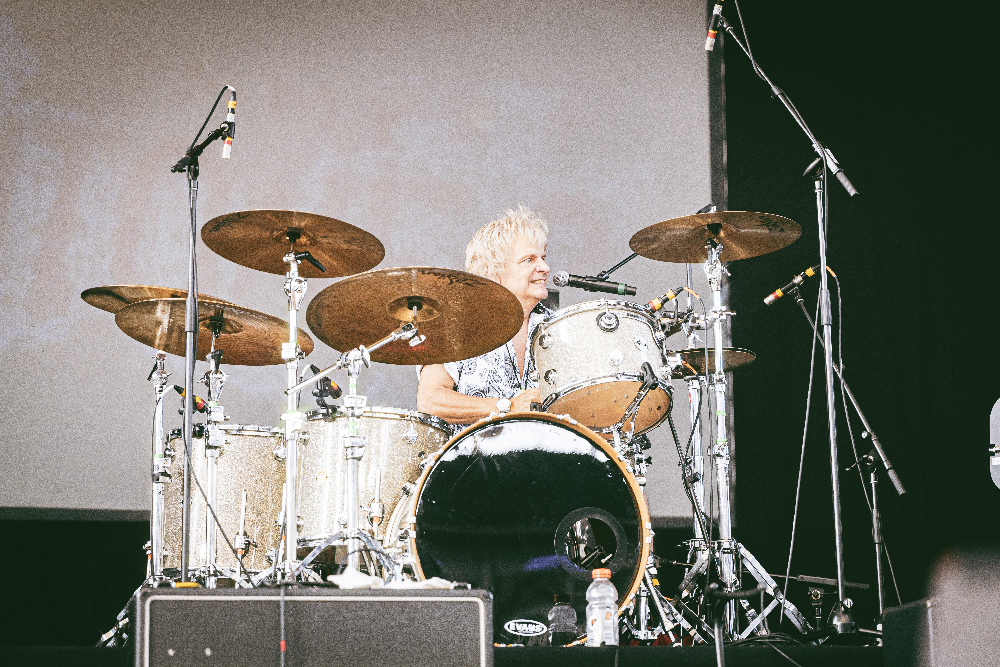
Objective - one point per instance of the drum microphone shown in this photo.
(327, 388)
(712, 25)
(227, 146)
(656, 304)
(199, 403)
(563, 279)
(796, 281)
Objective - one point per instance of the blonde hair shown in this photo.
(491, 245)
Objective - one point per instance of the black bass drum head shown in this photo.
(525, 506)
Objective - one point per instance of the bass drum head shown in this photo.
(525, 506)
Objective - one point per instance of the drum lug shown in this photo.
(640, 344)
(551, 375)
(545, 340)
(607, 322)
(410, 435)
(280, 452)
(615, 358)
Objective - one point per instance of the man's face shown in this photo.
(526, 273)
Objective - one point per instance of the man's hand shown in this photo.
(523, 401)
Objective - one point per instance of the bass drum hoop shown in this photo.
(645, 527)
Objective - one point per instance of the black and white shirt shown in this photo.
(495, 374)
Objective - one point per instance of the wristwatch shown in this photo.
(503, 406)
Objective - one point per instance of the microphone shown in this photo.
(199, 403)
(563, 279)
(327, 388)
(712, 25)
(796, 281)
(656, 304)
(227, 145)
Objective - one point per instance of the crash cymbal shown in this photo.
(113, 298)
(461, 314)
(742, 234)
(246, 337)
(693, 361)
(259, 239)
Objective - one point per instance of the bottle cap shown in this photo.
(601, 573)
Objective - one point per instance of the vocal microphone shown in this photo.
(656, 304)
(227, 145)
(563, 279)
(199, 403)
(712, 25)
(796, 281)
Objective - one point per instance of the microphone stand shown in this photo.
(189, 165)
(840, 617)
(867, 463)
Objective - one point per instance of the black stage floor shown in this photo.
(736, 656)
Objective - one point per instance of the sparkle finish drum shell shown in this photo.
(589, 358)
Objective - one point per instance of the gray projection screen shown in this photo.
(416, 121)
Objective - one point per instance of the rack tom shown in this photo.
(589, 358)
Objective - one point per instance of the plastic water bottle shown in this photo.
(562, 621)
(602, 610)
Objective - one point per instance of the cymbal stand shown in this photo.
(295, 290)
(161, 473)
(725, 545)
(215, 441)
(354, 404)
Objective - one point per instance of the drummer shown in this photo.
(511, 251)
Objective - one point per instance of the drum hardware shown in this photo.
(354, 442)
(161, 474)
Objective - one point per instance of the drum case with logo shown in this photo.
(323, 626)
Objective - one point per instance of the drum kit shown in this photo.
(521, 504)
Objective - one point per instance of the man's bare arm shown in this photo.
(435, 396)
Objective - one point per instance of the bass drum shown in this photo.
(525, 505)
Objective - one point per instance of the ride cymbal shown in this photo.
(259, 239)
(461, 314)
(693, 360)
(743, 234)
(246, 337)
(113, 298)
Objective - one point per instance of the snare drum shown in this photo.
(525, 505)
(589, 358)
(246, 463)
(397, 441)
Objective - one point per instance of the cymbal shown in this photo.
(259, 239)
(694, 360)
(113, 298)
(247, 337)
(462, 315)
(743, 234)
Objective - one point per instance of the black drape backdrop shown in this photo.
(897, 97)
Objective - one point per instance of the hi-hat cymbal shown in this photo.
(260, 239)
(742, 234)
(462, 315)
(246, 337)
(113, 298)
(693, 361)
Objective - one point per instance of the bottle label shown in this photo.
(603, 628)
